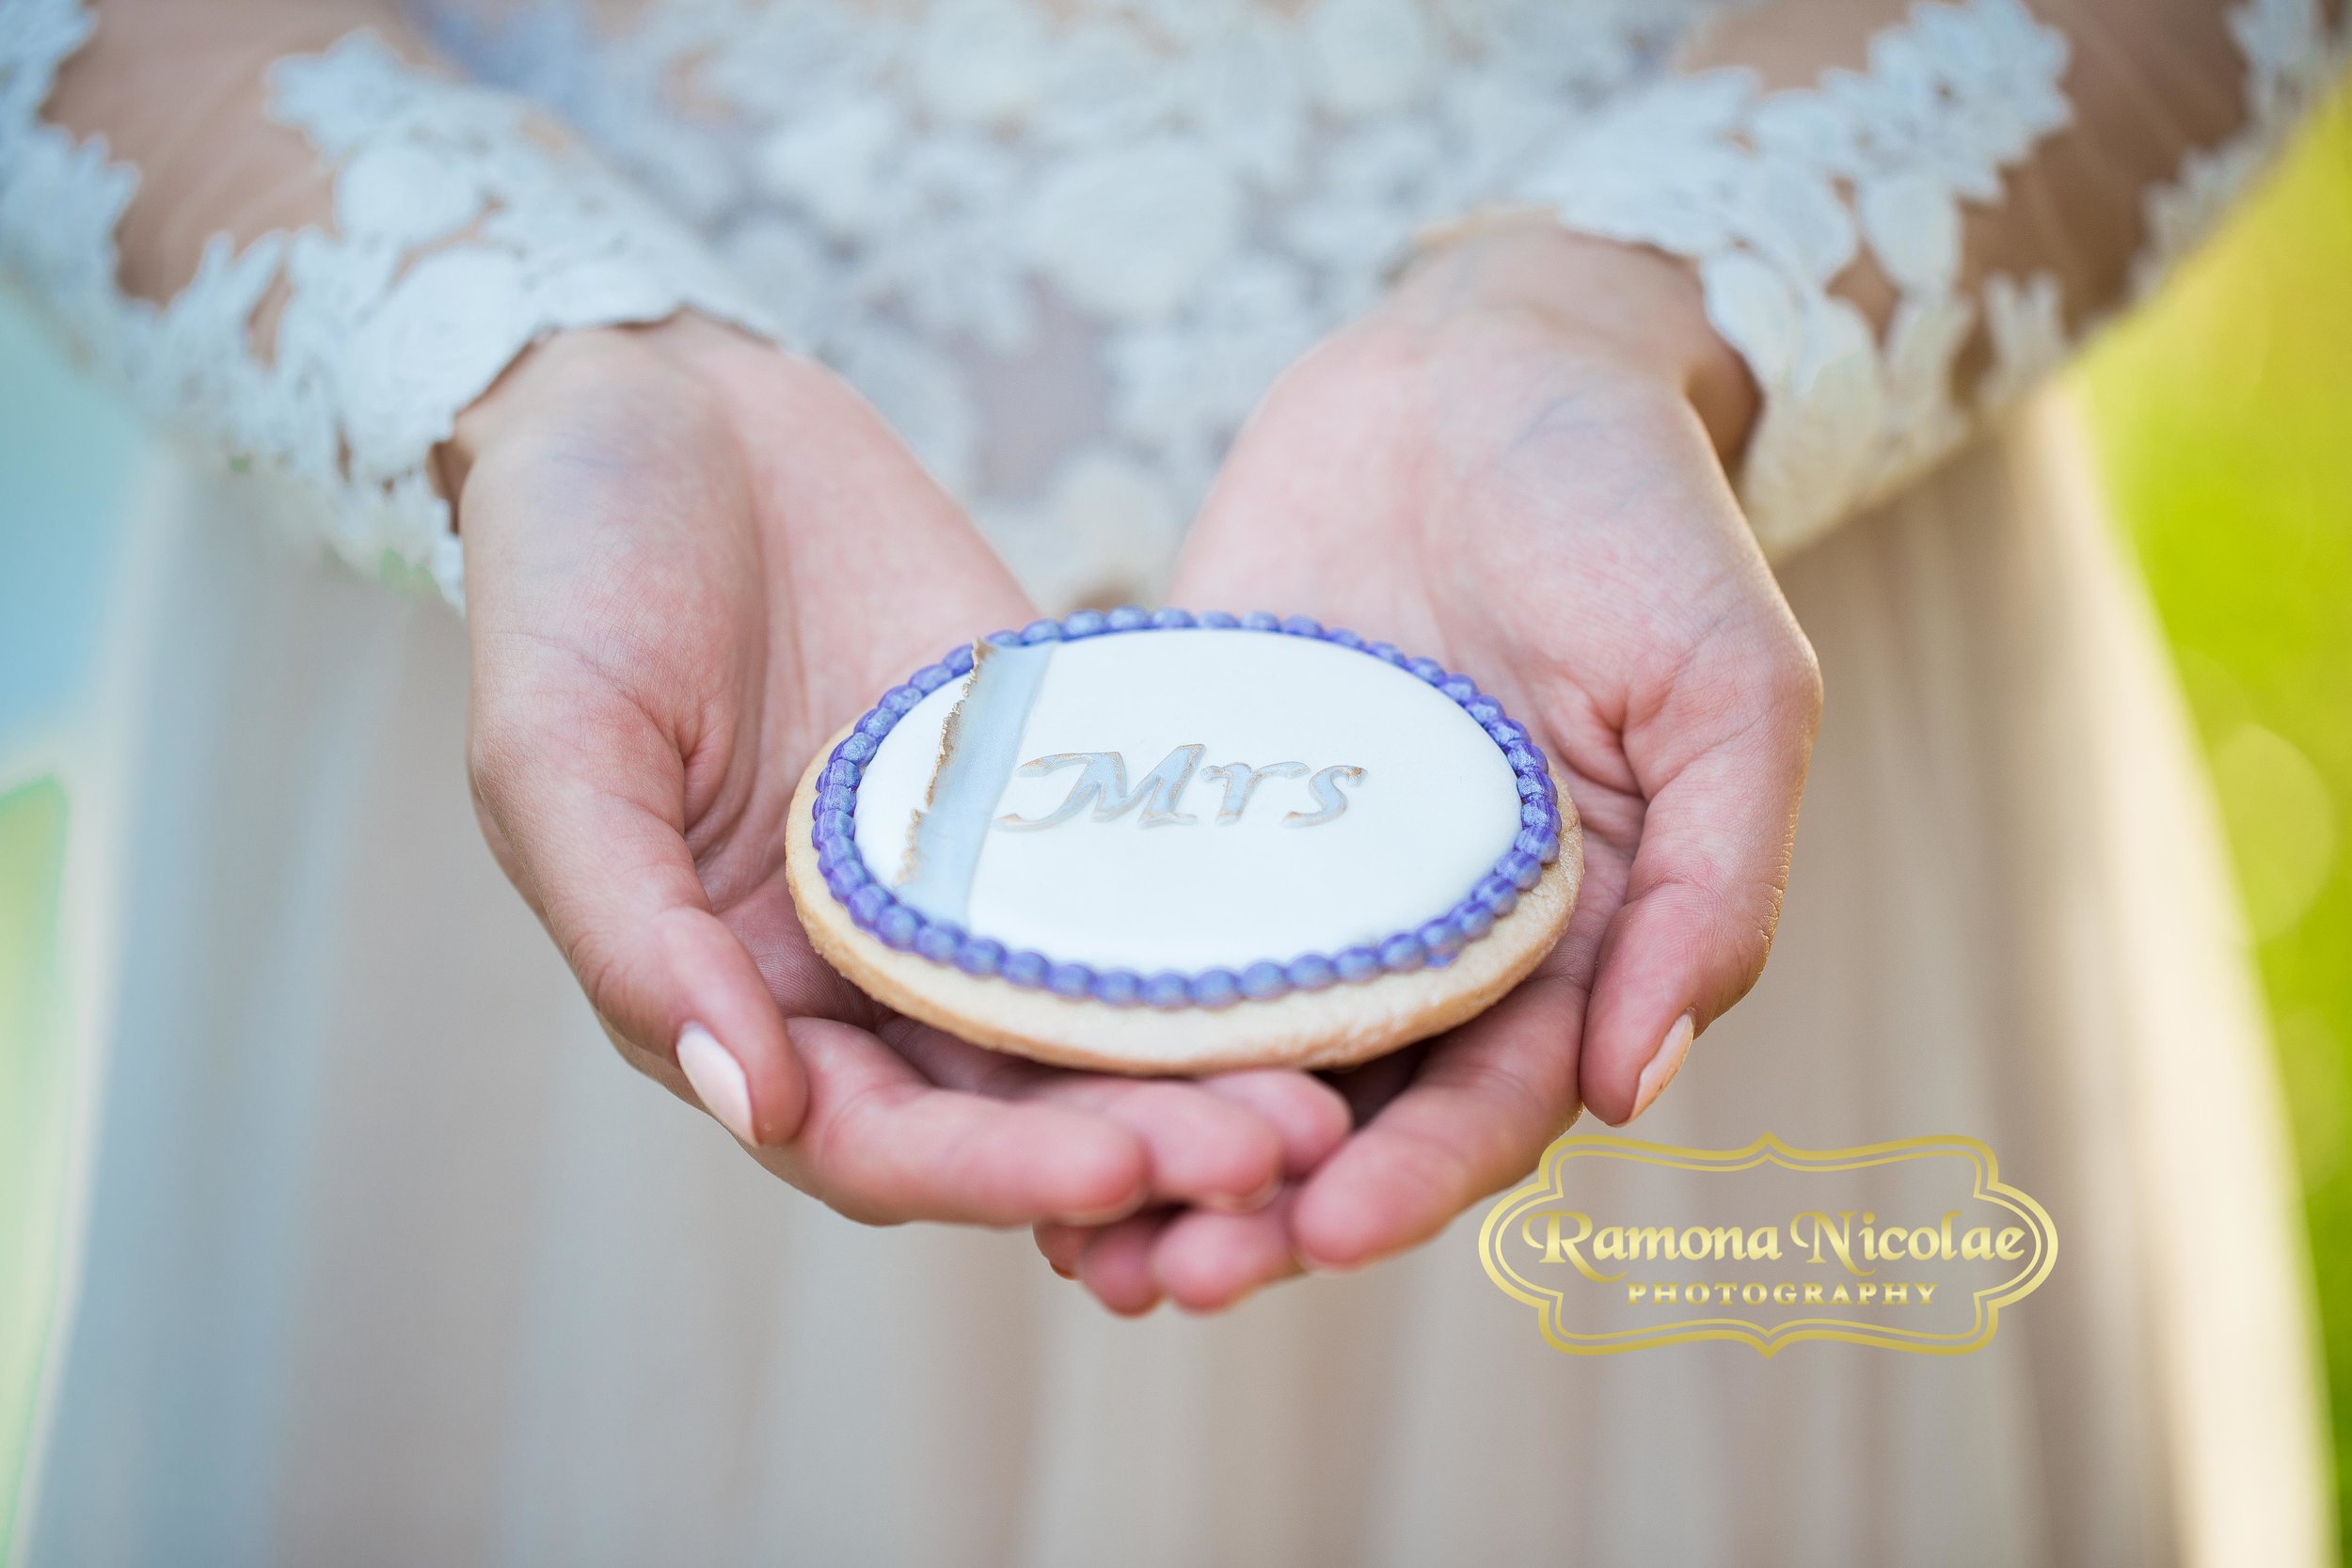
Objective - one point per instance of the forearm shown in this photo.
(1903, 217)
(179, 92)
(300, 241)
(2148, 89)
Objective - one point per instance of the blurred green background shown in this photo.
(2224, 417)
(2226, 430)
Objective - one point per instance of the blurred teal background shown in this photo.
(67, 453)
(2222, 417)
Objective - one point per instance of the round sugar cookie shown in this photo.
(1156, 843)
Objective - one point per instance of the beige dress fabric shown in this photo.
(386, 1259)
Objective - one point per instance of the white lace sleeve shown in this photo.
(461, 236)
(1904, 168)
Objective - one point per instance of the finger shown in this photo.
(1202, 1147)
(1059, 1245)
(1487, 1099)
(1308, 1115)
(1207, 1262)
(1723, 766)
(1370, 1086)
(1117, 1264)
(611, 875)
(882, 1144)
(1220, 1263)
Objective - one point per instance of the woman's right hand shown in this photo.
(690, 559)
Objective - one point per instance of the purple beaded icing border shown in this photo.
(1431, 945)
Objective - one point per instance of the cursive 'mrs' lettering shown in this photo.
(1102, 790)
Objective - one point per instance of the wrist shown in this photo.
(627, 380)
(1636, 306)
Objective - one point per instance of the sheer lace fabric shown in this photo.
(459, 239)
(1064, 248)
(1775, 196)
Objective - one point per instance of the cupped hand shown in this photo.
(689, 561)
(1513, 466)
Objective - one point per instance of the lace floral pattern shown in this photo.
(1119, 219)
(460, 239)
(1065, 247)
(2291, 59)
(1775, 194)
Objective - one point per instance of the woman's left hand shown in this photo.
(1512, 467)
(690, 559)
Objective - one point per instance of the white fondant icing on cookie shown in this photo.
(1193, 798)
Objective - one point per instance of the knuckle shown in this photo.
(484, 757)
(1798, 673)
(638, 1058)
(1778, 680)
(859, 1209)
(490, 764)
(1786, 667)
(1762, 925)
(603, 976)
(841, 1174)
(1730, 919)
(1751, 925)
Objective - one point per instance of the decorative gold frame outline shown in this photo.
(1546, 1184)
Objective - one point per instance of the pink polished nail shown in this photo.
(717, 1079)
(1665, 1063)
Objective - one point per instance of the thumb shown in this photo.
(1723, 762)
(611, 877)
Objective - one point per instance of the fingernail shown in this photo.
(1309, 1265)
(1666, 1064)
(1111, 1216)
(717, 1079)
(1066, 1273)
(1248, 1205)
